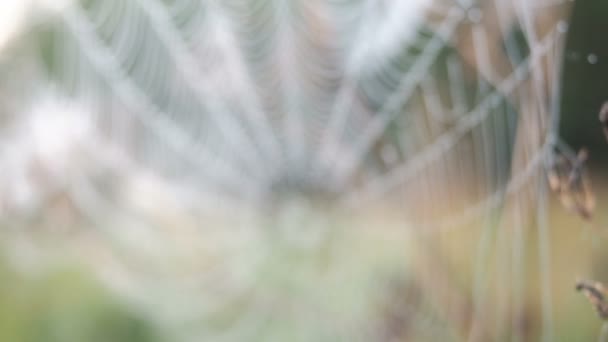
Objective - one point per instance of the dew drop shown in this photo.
(592, 58)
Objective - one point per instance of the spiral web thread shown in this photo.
(446, 110)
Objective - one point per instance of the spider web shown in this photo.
(446, 112)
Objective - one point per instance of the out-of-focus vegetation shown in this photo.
(373, 277)
(65, 304)
(299, 293)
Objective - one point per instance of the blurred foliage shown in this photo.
(67, 305)
(64, 305)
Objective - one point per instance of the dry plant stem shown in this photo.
(498, 19)
(534, 115)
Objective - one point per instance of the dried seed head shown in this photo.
(569, 180)
(595, 293)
